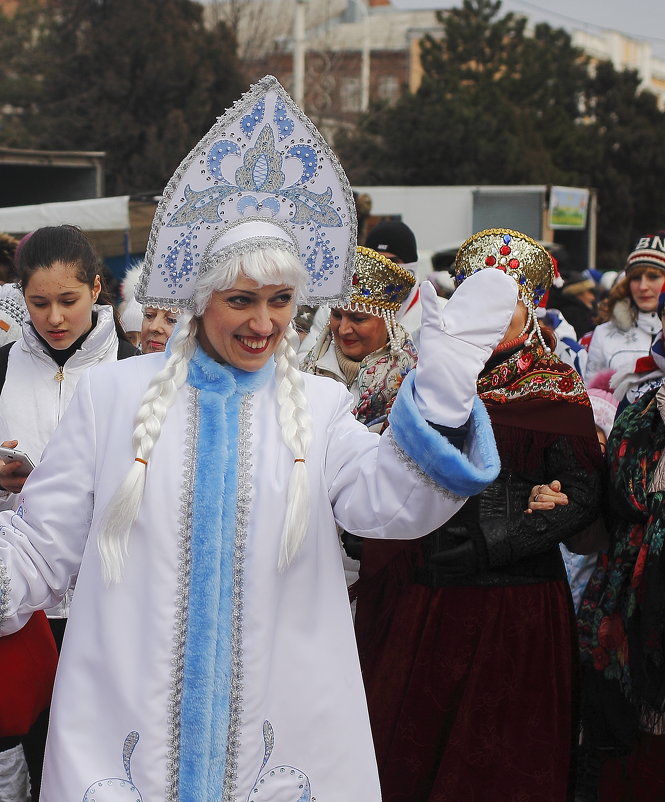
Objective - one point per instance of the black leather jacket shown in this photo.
(492, 541)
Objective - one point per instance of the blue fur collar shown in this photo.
(210, 692)
(207, 374)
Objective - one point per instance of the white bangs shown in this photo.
(265, 266)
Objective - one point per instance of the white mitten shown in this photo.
(457, 341)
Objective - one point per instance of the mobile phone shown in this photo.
(12, 455)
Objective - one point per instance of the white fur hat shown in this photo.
(132, 316)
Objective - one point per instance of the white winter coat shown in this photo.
(617, 344)
(33, 401)
(296, 719)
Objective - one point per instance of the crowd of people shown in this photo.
(407, 549)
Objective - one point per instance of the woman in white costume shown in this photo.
(210, 653)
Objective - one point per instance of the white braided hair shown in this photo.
(265, 266)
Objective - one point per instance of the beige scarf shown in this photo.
(349, 367)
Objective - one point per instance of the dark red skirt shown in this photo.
(470, 694)
(639, 777)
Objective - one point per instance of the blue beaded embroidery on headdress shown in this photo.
(264, 161)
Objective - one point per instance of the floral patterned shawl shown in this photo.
(621, 621)
(379, 376)
(533, 398)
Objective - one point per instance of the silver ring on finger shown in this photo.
(535, 498)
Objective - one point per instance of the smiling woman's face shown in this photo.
(357, 334)
(243, 326)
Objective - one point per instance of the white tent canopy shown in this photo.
(93, 214)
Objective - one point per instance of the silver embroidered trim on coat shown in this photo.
(412, 465)
(242, 516)
(184, 576)
(4, 592)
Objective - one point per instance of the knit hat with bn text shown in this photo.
(649, 251)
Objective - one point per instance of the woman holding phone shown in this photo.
(70, 327)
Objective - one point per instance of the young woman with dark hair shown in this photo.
(71, 327)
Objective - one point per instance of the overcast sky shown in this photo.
(640, 19)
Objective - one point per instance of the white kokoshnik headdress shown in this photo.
(262, 178)
(263, 174)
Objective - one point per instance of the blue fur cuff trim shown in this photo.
(463, 473)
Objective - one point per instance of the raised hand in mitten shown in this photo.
(456, 342)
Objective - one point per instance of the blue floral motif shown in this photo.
(261, 171)
(179, 261)
(251, 120)
(117, 789)
(307, 157)
(20, 513)
(247, 202)
(283, 123)
(320, 259)
(272, 204)
(283, 782)
(218, 152)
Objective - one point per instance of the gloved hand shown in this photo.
(455, 343)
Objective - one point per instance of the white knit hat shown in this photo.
(132, 316)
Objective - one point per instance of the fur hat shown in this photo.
(649, 250)
(129, 282)
(132, 316)
(608, 280)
